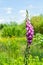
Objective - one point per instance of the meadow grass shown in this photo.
(12, 50)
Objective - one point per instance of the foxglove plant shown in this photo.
(29, 36)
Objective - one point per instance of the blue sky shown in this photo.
(14, 10)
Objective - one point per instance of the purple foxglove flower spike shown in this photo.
(29, 31)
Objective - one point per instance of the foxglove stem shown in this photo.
(27, 54)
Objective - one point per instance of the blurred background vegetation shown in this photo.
(13, 43)
(14, 29)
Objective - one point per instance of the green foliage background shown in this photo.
(12, 50)
(13, 43)
(14, 29)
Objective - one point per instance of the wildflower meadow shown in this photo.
(22, 44)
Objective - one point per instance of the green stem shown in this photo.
(27, 54)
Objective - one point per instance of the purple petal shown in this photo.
(29, 41)
(29, 38)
